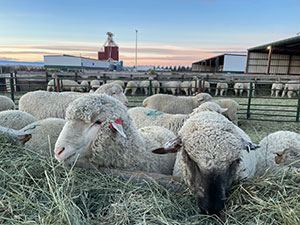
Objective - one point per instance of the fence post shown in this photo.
(150, 87)
(47, 76)
(298, 106)
(54, 84)
(58, 84)
(249, 101)
(11, 83)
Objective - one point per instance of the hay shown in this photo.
(36, 190)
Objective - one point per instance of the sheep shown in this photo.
(232, 107)
(186, 86)
(276, 89)
(213, 155)
(66, 85)
(15, 119)
(14, 137)
(119, 82)
(100, 131)
(133, 86)
(6, 103)
(95, 84)
(114, 90)
(175, 105)
(238, 88)
(222, 87)
(144, 85)
(288, 157)
(291, 88)
(44, 134)
(247, 88)
(205, 85)
(143, 117)
(85, 85)
(274, 143)
(172, 86)
(43, 104)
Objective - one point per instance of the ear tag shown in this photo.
(117, 126)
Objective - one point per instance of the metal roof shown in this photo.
(218, 56)
(289, 44)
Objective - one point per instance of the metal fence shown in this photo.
(261, 106)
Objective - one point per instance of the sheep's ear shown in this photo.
(278, 153)
(117, 126)
(278, 159)
(222, 110)
(24, 138)
(170, 147)
(248, 146)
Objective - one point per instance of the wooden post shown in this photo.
(57, 85)
(249, 101)
(269, 59)
(298, 106)
(76, 76)
(247, 65)
(289, 65)
(11, 82)
(47, 76)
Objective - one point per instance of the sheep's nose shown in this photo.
(126, 103)
(59, 150)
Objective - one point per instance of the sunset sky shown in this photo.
(170, 32)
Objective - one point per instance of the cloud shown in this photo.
(7, 58)
(230, 52)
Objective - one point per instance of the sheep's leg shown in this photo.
(216, 93)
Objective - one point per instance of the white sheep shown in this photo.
(274, 143)
(144, 85)
(205, 86)
(174, 104)
(232, 109)
(114, 90)
(131, 86)
(43, 104)
(186, 87)
(144, 117)
(213, 155)
(247, 88)
(171, 86)
(238, 88)
(6, 103)
(15, 119)
(85, 85)
(44, 134)
(66, 85)
(276, 89)
(222, 87)
(119, 82)
(100, 131)
(291, 88)
(95, 84)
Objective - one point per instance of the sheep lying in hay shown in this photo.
(15, 119)
(275, 144)
(288, 157)
(175, 105)
(6, 103)
(143, 117)
(43, 104)
(13, 136)
(214, 153)
(66, 85)
(99, 131)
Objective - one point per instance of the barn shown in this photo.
(280, 57)
(222, 63)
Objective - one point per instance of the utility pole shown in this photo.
(136, 32)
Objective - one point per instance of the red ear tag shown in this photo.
(118, 121)
(117, 126)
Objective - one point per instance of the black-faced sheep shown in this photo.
(100, 131)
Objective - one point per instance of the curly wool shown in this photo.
(15, 119)
(212, 141)
(6, 103)
(109, 149)
(274, 142)
(175, 105)
(42, 132)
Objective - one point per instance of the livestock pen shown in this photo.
(37, 190)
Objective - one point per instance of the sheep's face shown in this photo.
(93, 122)
(115, 91)
(203, 97)
(209, 185)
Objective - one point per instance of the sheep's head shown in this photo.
(210, 106)
(203, 97)
(209, 161)
(289, 156)
(94, 121)
(114, 90)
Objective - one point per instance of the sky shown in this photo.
(170, 32)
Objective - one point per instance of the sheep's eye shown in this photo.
(98, 122)
(114, 93)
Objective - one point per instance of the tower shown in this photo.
(111, 49)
